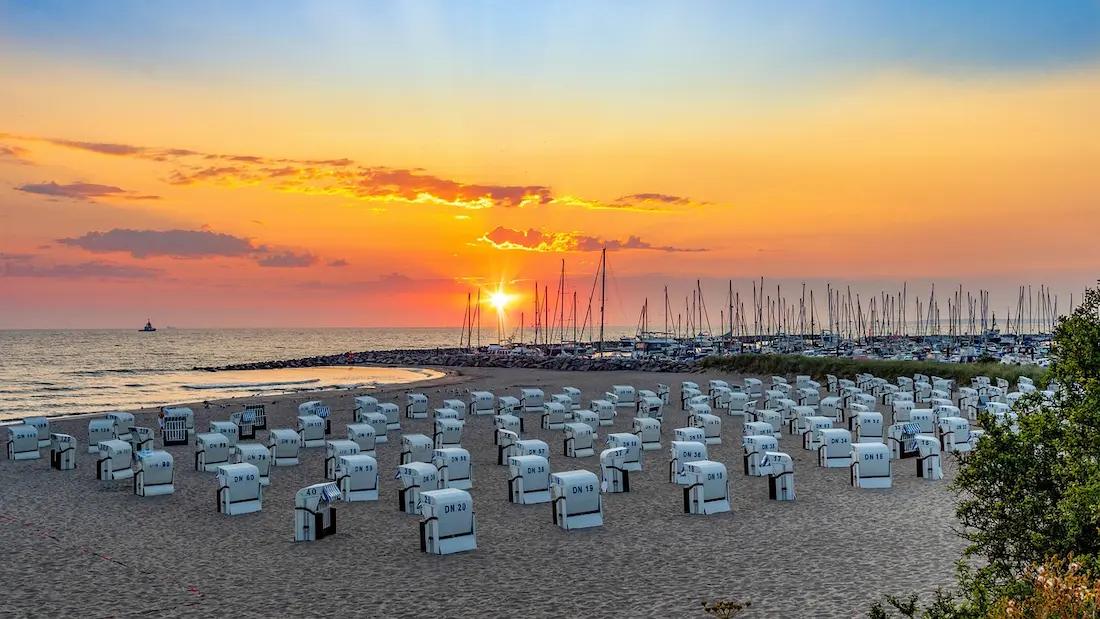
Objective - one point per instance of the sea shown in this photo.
(67, 372)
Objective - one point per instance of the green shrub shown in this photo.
(843, 367)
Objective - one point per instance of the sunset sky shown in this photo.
(368, 164)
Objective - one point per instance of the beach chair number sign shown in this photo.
(582, 488)
(450, 509)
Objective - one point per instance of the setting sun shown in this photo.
(499, 300)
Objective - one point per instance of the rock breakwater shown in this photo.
(456, 357)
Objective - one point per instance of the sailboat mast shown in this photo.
(603, 292)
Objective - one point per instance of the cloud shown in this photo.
(82, 191)
(663, 198)
(348, 178)
(174, 243)
(287, 259)
(340, 262)
(191, 244)
(26, 265)
(537, 240)
(13, 154)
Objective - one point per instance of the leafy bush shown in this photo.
(818, 367)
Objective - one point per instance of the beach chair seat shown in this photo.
(141, 438)
(62, 452)
(589, 418)
(681, 452)
(99, 430)
(614, 477)
(899, 439)
(445, 413)
(448, 524)
(508, 405)
(529, 479)
(711, 425)
(392, 414)
(928, 457)
(154, 473)
(650, 406)
(414, 478)
(123, 422)
(553, 415)
(632, 461)
(835, 451)
(956, 435)
(177, 426)
(455, 467)
(531, 400)
(687, 394)
(362, 405)
(416, 406)
(605, 411)
(797, 426)
(284, 445)
(574, 397)
(512, 423)
(754, 387)
(315, 511)
(780, 471)
(458, 406)
(255, 454)
(363, 435)
(902, 410)
(648, 431)
(259, 415)
(228, 429)
(211, 451)
(357, 477)
(707, 491)
(870, 466)
(42, 425)
(753, 448)
(575, 499)
(333, 451)
(690, 434)
(622, 396)
(416, 448)
(22, 443)
(531, 447)
(811, 438)
(377, 421)
(482, 403)
(579, 440)
(115, 460)
(447, 433)
(867, 427)
(312, 430)
(245, 422)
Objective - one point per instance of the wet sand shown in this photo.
(77, 546)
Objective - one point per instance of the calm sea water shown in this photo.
(64, 372)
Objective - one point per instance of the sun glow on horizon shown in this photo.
(500, 300)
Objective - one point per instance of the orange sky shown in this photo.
(319, 202)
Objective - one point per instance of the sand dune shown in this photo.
(78, 546)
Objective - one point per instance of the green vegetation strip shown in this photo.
(818, 367)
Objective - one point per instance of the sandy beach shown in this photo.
(77, 546)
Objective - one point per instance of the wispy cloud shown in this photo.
(287, 259)
(174, 243)
(348, 178)
(82, 191)
(29, 265)
(14, 154)
(540, 241)
(191, 244)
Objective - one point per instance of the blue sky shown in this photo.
(570, 42)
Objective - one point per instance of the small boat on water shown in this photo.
(148, 328)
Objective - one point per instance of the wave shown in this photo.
(246, 385)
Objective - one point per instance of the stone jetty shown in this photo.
(458, 357)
